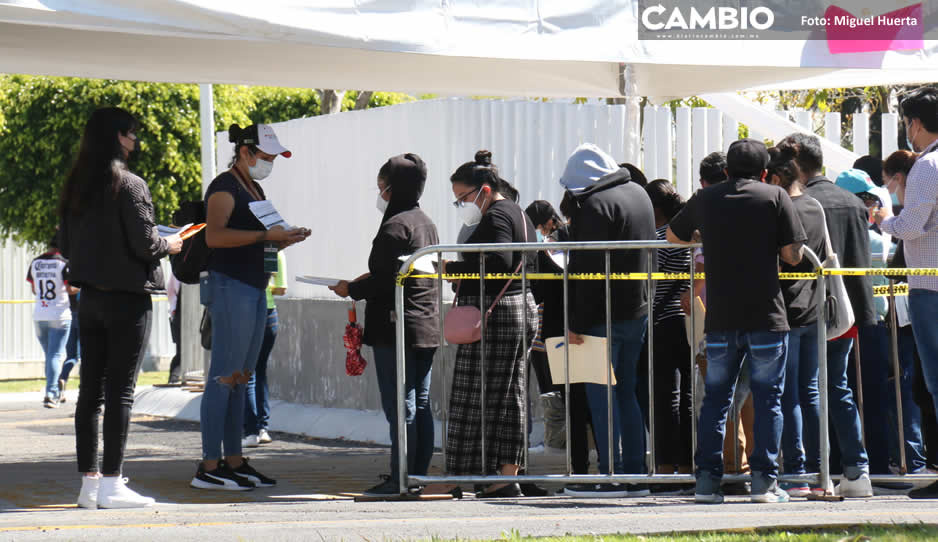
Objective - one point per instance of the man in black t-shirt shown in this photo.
(745, 225)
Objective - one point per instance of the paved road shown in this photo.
(38, 485)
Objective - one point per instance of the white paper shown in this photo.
(902, 309)
(166, 231)
(587, 361)
(558, 259)
(423, 264)
(265, 212)
(318, 281)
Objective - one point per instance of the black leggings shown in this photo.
(673, 408)
(115, 328)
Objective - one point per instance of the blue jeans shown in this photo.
(238, 312)
(845, 419)
(72, 350)
(801, 403)
(766, 351)
(256, 403)
(628, 425)
(911, 414)
(53, 335)
(923, 311)
(417, 367)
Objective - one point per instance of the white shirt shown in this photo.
(49, 276)
(917, 224)
(172, 292)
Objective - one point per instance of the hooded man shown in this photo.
(404, 229)
(608, 206)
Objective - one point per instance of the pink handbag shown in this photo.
(463, 323)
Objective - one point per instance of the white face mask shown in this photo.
(908, 141)
(470, 212)
(260, 170)
(381, 204)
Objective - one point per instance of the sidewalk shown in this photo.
(313, 498)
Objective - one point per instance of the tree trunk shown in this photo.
(330, 101)
(364, 97)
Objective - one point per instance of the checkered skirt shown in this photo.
(505, 364)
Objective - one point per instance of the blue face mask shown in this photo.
(540, 237)
(895, 199)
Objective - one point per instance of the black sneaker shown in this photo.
(927, 492)
(510, 491)
(596, 490)
(49, 403)
(387, 488)
(249, 472)
(221, 478)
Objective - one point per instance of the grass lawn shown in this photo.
(853, 533)
(16, 386)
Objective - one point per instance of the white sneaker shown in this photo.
(859, 488)
(250, 441)
(88, 497)
(264, 437)
(114, 493)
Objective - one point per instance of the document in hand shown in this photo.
(317, 281)
(588, 362)
(184, 232)
(265, 212)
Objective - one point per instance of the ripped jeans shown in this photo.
(766, 351)
(239, 314)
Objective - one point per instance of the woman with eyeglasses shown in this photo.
(404, 229)
(487, 201)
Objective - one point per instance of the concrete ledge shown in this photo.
(309, 420)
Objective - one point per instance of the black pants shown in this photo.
(115, 327)
(673, 406)
(175, 327)
(580, 422)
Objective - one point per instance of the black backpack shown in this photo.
(195, 254)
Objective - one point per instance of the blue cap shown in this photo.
(855, 181)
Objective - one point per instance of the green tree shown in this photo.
(42, 118)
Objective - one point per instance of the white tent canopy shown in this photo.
(489, 47)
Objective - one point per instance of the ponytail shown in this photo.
(242, 137)
(664, 197)
(482, 171)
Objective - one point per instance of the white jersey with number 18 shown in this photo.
(49, 276)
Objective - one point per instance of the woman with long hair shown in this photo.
(800, 399)
(481, 200)
(673, 402)
(404, 229)
(244, 256)
(108, 234)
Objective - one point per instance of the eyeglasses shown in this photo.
(459, 200)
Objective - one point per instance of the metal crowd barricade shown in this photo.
(891, 290)
(406, 479)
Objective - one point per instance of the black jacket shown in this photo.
(550, 292)
(113, 244)
(613, 209)
(402, 234)
(404, 230)
(848, 221)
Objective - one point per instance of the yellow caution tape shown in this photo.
(585, 276)
(898, 289)
(884, 272)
